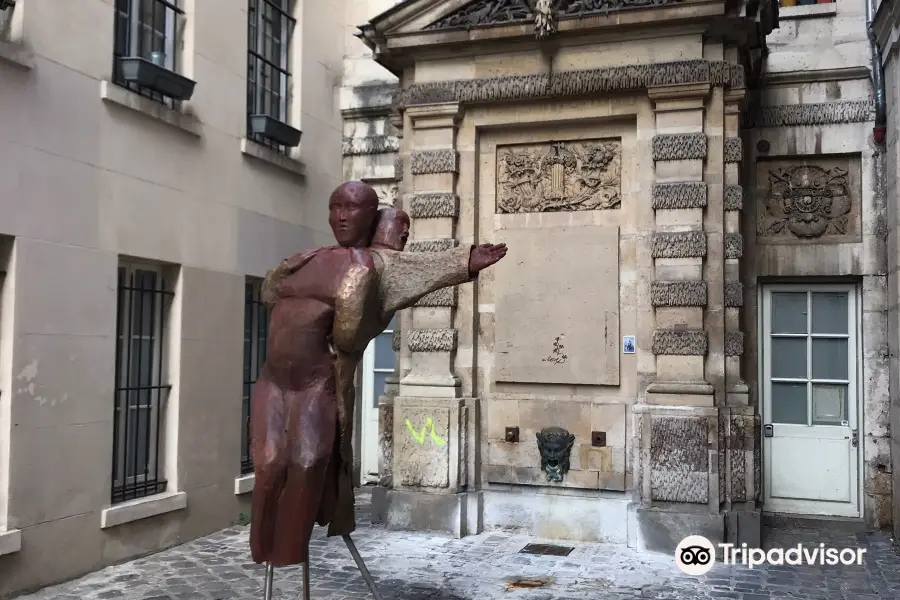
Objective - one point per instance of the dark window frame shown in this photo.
(264, 96)
(129, 22)
(256, 336)
(141, 385)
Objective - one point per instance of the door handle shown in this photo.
(854, 438)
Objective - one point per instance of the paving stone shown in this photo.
(424, 566)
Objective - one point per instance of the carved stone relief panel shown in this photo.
(560, 176)
(808, 200)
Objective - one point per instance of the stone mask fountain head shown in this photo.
(555, 446)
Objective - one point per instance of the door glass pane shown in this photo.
(379, 387)
(789, 358)
(829, 359)
(829, 404)
(384, 353)
(789, 403)
(829, 312)
(788, 312)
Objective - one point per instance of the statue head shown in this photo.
(555, 446)
(392, 230)
(353, 213)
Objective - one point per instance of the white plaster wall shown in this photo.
(82, 182)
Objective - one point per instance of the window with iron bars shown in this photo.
(6, 17)
(146, 29)
(270, 27)
(141, 383)
(256, 331)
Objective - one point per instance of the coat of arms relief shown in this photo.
(809, 202)
(561, 176)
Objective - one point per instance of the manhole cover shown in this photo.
(546, 550)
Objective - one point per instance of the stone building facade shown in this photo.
(132, 215)
(698, 287)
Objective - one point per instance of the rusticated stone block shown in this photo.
(680, 342)
(679, 459)
(680, 244)
(424, 162)
(432, 340)
(819, 113)
(396, 340)
(432, 206)
(678, 293)
(438, 245)
(734, 150)
(443, 297)
(679, 195)
(679, 146)
(734, 343)
(734, 245)
(418, 460)
(398, 168)
(734, 294)
(734, 197)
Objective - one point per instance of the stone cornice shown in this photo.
(584, 82)
(374, 144)
(822, 113)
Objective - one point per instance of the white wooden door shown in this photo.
(378, 364)
(810, 408)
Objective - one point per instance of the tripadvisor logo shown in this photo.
(696, 555)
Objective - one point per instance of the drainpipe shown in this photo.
(878, 132)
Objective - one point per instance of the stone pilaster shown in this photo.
(427, 423)
(679, 293)
(433, 206)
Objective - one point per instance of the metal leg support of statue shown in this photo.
(270, 573)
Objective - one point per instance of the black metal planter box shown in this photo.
(154, 77)
(275, 130)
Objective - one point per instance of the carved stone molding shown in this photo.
(432, 340)
(432, 206)
(734, 245)
(442, 298)
(437, 245)
(679, 195)
(375, 144)
(734, 150)
(734, 294)
(680, 342)
(396, 340)
(486, 13)
(822, 113)
(561, 176)
(805, 202)
(425, 162)
(585, 82)
(398, 168)
(734, 343)
(680, 244)
(678, 293)
(679, 146)
(734, 197)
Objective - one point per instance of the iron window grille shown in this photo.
(269, 31)
(141, 388)
(5, 4)
(256, 331)
(146, 29)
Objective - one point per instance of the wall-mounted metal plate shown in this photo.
(512, 434)
(598, 439)
(768, 430)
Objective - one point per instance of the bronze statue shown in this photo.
(326, 303)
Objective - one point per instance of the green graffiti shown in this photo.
(420, 436)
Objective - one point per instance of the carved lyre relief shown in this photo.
(563, 176)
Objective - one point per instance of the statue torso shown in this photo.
(301, 321)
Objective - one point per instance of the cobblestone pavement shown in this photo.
(418, 566)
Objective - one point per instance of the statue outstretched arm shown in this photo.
(409, 276)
